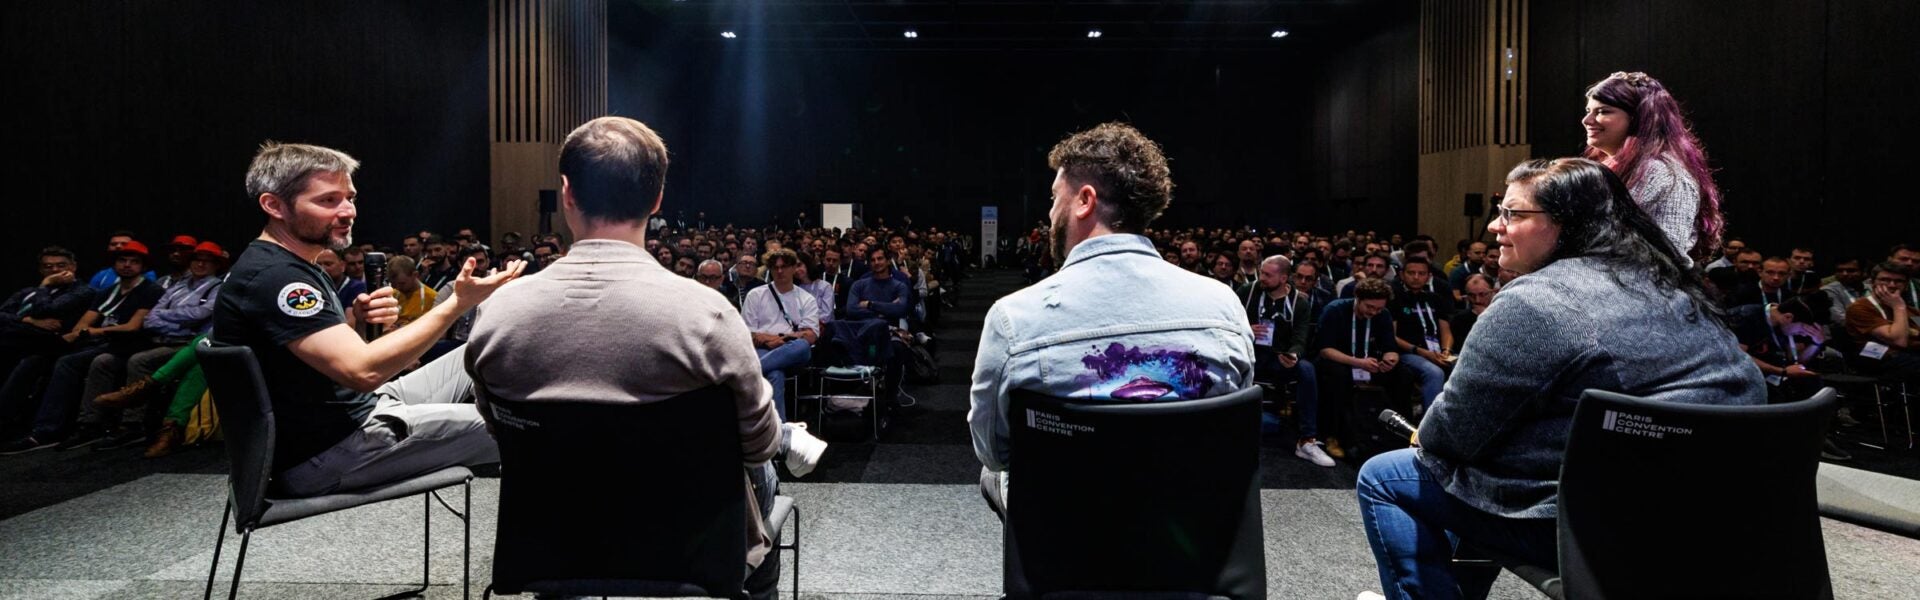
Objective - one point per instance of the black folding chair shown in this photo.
(1670, 500)
(246, 418)
(565, 529)
(1157, 500)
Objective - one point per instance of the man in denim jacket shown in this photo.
(1116, 323)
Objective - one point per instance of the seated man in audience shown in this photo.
(1803, 279)
(415, 297)
(32, 322)
(108, 277)
(1374, 266)
(743, 277)
(685, 267)
(112, 325)
(712, 274)
(1766, 333)
(1881, 324)
(785, 323)
(1847, 287)
(1114, 314)
(1421, 328)
(837, 274)
(882, 294)
(1470, 263)
(1190, 257)
(1908, 261)
(807, 278)
(341, 424)
(1769, 288)
(1480, 289)
(1356, 346)
(335, 267)
(439, 267)
(1729, 249)
(1248, 272)
(1279, 315)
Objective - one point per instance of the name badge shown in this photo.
(1433, 344)
(1361, 375)
(1775, 380)
(1263, 333)
(1874, 350)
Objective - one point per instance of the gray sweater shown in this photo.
(1496, 435)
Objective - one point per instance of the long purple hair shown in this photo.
(1655, 127)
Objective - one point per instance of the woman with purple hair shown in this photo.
(1635, 128)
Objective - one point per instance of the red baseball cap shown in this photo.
(185, 240)
(132, 247)
(210, 249)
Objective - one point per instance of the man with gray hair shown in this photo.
(342, 425)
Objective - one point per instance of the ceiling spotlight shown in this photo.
(910, 34)
(728, 35)
(1093, 34)
(1279, 33)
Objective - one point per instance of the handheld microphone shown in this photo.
(375, 272)
(1397, 424)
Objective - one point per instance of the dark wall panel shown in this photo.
(1798, 104)
(1365, 157)
(143, 115)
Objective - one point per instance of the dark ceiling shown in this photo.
(996, 25)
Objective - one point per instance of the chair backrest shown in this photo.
(239, 393)
(1158, 498)
(1669, 500)
(567, 521)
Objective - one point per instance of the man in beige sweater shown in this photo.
(608, 323)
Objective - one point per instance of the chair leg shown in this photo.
(220, 537)
(426, 552)
(796, 552)
(234, 591)
(466, 543)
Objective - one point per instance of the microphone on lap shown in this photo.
(1397, 424)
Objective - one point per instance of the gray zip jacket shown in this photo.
(1496, 435)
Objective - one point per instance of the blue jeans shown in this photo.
(774, 365)
(1413, 526)
(62, 395)
(1432, 377)
(1306, 393)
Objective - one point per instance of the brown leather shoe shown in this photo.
(170, 437)
(126, 396)
(1334, 450)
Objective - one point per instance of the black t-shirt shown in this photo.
(1417, 314)
(116, 306)
(1751, 329)
(270, 299)
(1462, 324)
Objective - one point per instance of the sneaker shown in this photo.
(1832, 451)
(1845, 418)
(24, 445)
(127, 396)
(1310, 450)
(86, 435)
(803, 450)
(170, 437)
(1333, 448)
(1370, 596)
(122, 438)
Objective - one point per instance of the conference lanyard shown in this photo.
(26, 304)
(1793, 349)
(1779, 296)
(1354, 340)
(1425, 312)
(114, 299)
(775, 292)
(1884, 314)
(1913, 293)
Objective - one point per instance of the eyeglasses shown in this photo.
(1506, 214)
(707, 277)
(1479, 294)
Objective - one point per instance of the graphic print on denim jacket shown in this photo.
(1145, 374)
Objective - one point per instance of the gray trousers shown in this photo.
(109, 372)
(423, 422)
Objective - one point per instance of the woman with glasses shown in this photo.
(1603, 302)
(1635, 127)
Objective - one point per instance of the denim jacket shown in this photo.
(1115, 323)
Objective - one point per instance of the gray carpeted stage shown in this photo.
(901, 518)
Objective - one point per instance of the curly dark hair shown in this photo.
(1126, 169)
